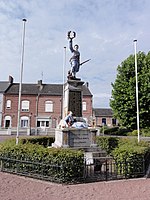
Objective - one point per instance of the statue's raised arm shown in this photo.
(75, 59)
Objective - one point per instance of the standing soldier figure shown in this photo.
(75, 59)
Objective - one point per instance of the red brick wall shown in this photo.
(40, 102)
(108, 121)
(88, 113)
(56, 106)
(13, 111)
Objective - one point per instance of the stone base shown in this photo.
(75, 138)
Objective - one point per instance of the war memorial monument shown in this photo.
(75, 134)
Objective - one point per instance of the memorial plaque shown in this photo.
(79, 138)
(75, 103)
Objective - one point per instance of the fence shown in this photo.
(100, 169)
(37, 170)
(105, 169)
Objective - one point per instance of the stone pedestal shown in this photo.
(93, 137)
(75, 138)
(73, 97)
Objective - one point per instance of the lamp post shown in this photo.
(63, 99)
(20, 85)
(30, 115)
(137, 99)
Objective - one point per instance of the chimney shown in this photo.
(11, 79)
(87, 84)
(40, 84)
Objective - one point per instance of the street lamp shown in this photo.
(63, 98)
(20, 85)
(137, 100)
(30, 115)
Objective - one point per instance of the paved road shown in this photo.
(14, 187)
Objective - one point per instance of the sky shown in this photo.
(105, 30)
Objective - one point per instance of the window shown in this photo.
(47, 124)
(25, 106)
(84, 106)
(42, 123)
(104, 121)
(8, 104)
(24, 122)
(7, 121)
(113, 121)
(48, 106)
(38, 123)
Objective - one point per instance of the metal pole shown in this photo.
(103, 129)
(20, 85)
(137, 100)
(63, 99)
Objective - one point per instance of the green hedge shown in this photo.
(70, 163)
(128, 153)
(107, 143)
(132, 153)
(143, 132)
(116, 130)
(41, 140)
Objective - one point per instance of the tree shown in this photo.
(123, 101)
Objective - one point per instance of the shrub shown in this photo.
(133, 133)
(132, 154)
(107, 143)
(145, 132)
(41, 140)
(115, 131)
(122, 131)
(111, 131)
(67, 165)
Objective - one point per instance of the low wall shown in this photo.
(5, 131)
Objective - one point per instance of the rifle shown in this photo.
(85, 61)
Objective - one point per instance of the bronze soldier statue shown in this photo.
(75, 59)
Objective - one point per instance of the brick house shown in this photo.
(41, 105)
(3, 86)
(104, 116)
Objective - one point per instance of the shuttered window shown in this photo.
(25, 106)
(48, 106)
(84, 106)
(8, 104)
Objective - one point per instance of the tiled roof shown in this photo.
(45, 89)
(3, 86)
(99, 112)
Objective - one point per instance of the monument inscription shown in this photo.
(75, 103)
(80, 138)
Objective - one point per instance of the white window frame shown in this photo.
(8, 104)
(84, 106)
(104, 120)
(43, 123)
(25, 106)
(7, 118)
(48, 106)
(24, 121)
